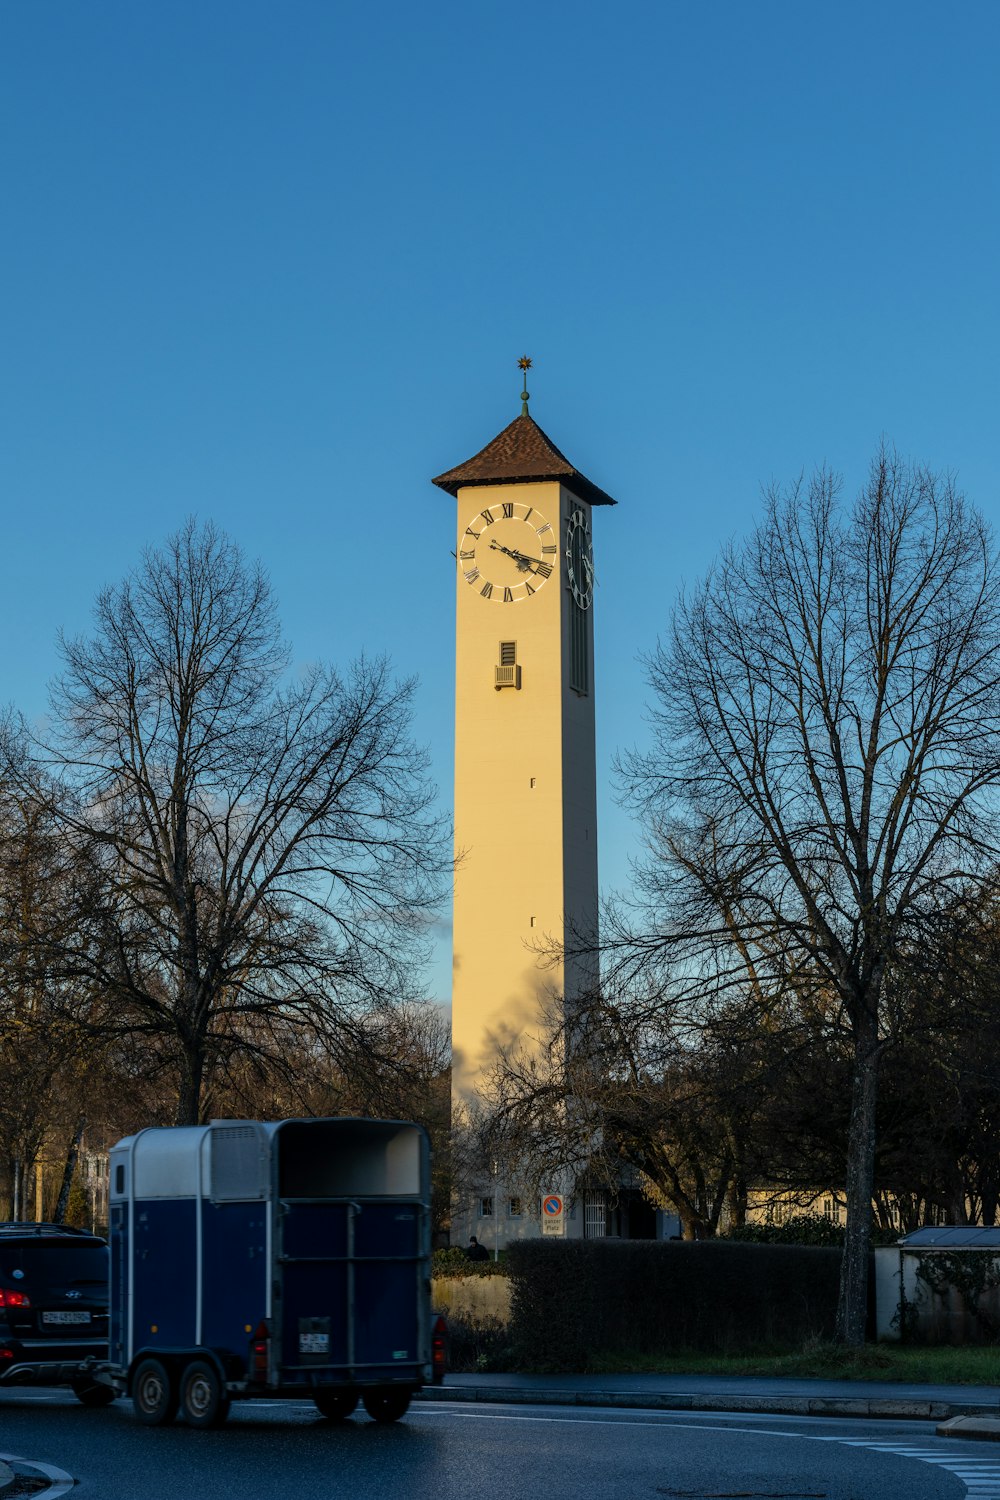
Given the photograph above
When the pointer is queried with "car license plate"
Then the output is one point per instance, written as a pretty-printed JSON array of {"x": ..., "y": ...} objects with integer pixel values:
[
  {"x": 314, "y": 1343},
  {"x": 66, "y": 1317}
]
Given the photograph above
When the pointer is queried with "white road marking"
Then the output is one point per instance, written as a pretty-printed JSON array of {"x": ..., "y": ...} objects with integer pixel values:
[
  {"x": 61, "y": 1482},
  {"x": 981, "y": 1477}
]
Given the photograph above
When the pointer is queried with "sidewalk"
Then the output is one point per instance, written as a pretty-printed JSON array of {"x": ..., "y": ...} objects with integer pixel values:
[{"x": 794, "y": 1397}]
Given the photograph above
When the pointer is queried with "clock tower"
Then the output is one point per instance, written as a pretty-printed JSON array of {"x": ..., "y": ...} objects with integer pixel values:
[{"x": 525, "y": 770}]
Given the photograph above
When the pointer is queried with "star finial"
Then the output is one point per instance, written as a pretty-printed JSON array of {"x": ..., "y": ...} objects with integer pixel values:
[{"x": 524, "y": 364}]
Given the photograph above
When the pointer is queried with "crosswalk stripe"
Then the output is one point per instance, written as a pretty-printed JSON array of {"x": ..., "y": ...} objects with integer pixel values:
[{"x": 981, "y": 1476}]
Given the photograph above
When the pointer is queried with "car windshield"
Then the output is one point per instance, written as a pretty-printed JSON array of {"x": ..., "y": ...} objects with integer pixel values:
[{"x": 53, "y": 1265}]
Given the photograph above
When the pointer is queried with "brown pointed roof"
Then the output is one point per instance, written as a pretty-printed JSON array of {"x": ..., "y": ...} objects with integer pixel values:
[{"x": 521, "y": 454}]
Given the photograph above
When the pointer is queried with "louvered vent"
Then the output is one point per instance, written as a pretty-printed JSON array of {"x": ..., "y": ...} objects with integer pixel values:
[
  {"x": 238, "y": 1163},
  {"x": 508, "y": 673}
]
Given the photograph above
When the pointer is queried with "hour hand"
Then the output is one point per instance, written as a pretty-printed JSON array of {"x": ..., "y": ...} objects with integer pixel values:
[
  {"x": 499, "y": 547},
  {"x": 524, "y": 563}
]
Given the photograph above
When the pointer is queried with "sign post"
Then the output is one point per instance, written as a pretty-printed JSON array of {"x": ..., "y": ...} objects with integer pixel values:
[{"x": 553, "y": 1214}]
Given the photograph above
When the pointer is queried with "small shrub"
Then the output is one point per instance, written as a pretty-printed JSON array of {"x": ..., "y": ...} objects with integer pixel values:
[
  {"x": 77, "y": 1208},
  {"x": 478, "y": 1345}
]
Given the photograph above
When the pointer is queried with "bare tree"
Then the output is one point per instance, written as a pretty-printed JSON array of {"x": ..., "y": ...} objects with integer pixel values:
[
  {"x": 825, "y": 753},
  {"x": 44, "y": 1062},
  {"x": 261, "y": 848},
  {"x": 628, "y": 1091}
]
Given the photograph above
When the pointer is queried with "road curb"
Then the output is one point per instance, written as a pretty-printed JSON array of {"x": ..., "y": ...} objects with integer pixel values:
[
  {"x": 985, "y": 1429},
  {"x": 793, "y": 1406}
]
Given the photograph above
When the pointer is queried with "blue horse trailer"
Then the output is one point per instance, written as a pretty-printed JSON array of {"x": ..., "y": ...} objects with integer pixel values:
[{"x": 287, "y": 1259}]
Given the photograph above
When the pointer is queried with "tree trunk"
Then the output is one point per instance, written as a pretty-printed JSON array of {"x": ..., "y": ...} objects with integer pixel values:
[
  {"x": 739, "y": 1200},
  {"x": 852, "y": 1301},
  {"x": 72, "y": 1156},
  {"x": 189, "y": 1093}
]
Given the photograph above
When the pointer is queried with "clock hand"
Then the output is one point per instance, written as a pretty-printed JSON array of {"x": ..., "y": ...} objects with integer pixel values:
[
  {"x": 499, "y": 547},
  {"x": 523, "y": 561}
]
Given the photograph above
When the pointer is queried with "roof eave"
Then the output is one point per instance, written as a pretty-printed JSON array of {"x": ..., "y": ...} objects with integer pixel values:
[{"x": 582, "y": 487}]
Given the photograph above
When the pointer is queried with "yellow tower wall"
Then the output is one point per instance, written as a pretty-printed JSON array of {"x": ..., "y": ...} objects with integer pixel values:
[{"x": 525, "y": 803}]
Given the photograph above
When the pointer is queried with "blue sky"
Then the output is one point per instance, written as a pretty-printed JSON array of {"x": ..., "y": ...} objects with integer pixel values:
[{"x": 274, "y": 265}]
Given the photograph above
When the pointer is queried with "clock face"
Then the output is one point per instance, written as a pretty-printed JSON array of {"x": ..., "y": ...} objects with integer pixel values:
[
  {"x": 507, "y": 552},
  {"x": 579, "y": 560}
]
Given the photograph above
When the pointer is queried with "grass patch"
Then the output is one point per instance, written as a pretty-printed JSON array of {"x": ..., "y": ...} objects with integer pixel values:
[{"x": 941, "y": 1365}]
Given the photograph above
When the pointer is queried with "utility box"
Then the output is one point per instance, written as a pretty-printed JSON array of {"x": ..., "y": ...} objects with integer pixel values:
[{"x": 286, "y": 1259}]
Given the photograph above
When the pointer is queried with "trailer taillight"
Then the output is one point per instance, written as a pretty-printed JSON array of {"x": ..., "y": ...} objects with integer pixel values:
[
  {"x": 258, "y": 1352},
  {"x": 439, "y": 1347}
]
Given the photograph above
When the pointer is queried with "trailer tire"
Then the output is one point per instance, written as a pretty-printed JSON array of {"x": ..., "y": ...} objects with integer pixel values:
[
  {"x": 386, "y": 1403},
  {"x": 92, "y": 1393},
  {"x": 154, "y": 1394},
  {"x": 204, "y": 1398},
  {"x": 335, "y": 1404}
]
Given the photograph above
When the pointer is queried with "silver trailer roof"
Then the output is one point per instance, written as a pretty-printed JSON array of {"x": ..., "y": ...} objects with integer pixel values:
[{"x": 240, "y": 1160}]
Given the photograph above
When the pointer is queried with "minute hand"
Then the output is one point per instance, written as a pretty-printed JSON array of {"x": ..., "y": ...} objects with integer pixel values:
[{"x": 520, "y": 558}]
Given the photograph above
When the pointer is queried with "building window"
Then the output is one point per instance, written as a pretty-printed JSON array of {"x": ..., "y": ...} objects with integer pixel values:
[
  {"x": 486, "y": 1208},
  {"x": 514, "y": 1208},
  {"x": 595, "y": 1216}
]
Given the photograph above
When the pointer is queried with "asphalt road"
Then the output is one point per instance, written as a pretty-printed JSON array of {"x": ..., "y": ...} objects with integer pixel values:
[{"x": 467, "y": 1452}]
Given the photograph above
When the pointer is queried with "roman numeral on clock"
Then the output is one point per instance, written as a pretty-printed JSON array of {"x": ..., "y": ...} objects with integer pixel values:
[
  {"x": 508, "y": 510},
  {"x": 487, "y": 590},
  {"x": 508, "y": 596}
]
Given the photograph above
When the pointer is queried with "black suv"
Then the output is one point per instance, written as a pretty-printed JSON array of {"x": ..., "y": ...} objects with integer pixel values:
[{"x": 53, "y": 1307}]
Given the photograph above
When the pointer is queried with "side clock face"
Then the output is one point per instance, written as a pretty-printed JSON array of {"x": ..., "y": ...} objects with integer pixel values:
[
  {"x": 579, "y": 560},
  {"x": 507, "y": 552}
]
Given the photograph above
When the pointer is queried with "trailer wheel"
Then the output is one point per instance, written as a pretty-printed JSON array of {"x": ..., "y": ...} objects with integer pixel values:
[
  {"x": 386, "y": 1403},
  {"x": 154, "y": 1396},
  {"x": 334, "y": 1403},
  {"x": 204, "y": 1398},
  {"x": 92, "y": 1393}
]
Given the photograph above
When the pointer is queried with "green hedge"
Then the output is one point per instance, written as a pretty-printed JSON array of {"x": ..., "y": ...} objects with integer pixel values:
[
  {"x": 804, "y": 1229},
  {"x": 574, "y": 1297},
  {"x": 455, "y": 1262}
]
